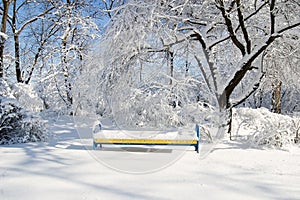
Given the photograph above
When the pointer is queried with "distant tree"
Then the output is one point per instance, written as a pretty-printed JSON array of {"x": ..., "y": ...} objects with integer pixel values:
[
  {"x": 18, "y": 24},
  {"x": 282, "y": 73},
  {"x": 62, "y": 40}
]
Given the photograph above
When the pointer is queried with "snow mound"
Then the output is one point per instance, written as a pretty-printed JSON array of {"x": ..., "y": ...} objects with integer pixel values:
[{"x": 263, "y": 128}]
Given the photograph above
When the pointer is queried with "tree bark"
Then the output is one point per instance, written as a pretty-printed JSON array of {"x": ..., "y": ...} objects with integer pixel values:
[
  {"x": 229, "y": 131},
  {"x": 16, "y": 43},
  {"x": 276, "y": 96},
  {"x": 68, "y": 85},
  {"x": 171, "y": 65},
  {"x": 2, "y": 38},
  {"x": 17, "y": 59}
]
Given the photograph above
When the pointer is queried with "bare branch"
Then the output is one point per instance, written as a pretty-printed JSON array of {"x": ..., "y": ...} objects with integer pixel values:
[
  {"x": 199, "y": 37},
  {"x": 206, "y": 54},
  {"x": 257, "y": 10},
  {"x": 252, "y": 14},
  {"x": 272, "y": 16},
  {"x": 201, "y": 23},
  {"x": 246, "y": 65},
  {"x": 108, "y": 7},
  {"x": 228, "y": 23},
  {"x": 32, "y": 20},
  {"x": 218, "y": 42},
  {"x": 204, "y": 74},
  {"x": 243, "y": 27},
  {"x": 255, "y": 87},
  {"x": 289, "y": 27},
  {"x": 238, "y": 27}
]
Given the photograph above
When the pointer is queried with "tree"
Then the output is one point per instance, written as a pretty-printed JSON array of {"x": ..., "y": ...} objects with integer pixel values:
[
  {"x": 226, "y": 39},
  {"x": 282, "y": 71},
  {"x": 17, "y": 31},
  {"x": 63, "y": 40}
]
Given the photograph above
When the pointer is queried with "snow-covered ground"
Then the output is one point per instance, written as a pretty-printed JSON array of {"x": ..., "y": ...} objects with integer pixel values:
[{"x": 67, "y": 168}]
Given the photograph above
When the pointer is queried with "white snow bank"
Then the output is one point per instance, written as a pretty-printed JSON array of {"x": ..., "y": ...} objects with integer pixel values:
[{"x": 264, "y": 128}]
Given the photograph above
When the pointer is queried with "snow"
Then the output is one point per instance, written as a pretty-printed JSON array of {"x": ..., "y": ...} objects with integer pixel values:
[
  {"x": 67, "y": 168},
  {"x": 262, "y": 128},
  {"x": 116, "y": 133},
  {"x": 3, "y": 35}
]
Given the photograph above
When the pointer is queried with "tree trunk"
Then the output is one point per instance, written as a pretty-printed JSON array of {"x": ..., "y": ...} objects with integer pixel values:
[
  {"x": 16, "y": 43},
  {"x": 17, "y": 59},
  {"x": 2, "y": 38},
  {"x": 33, "y": 65},
  {"x": 68, "y": 85},
  {"x": 276, "y": 96},
  {"x": 171, "y": 64},
  {"x": 187, "y": 68},
  {"x": 296, "y": 139},
  {"x": 141, "y": 71},
  {"x": 230, "y": 124}
]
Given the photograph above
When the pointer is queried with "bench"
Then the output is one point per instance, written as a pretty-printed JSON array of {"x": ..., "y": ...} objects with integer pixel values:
[{"x": 146, "y": 141}]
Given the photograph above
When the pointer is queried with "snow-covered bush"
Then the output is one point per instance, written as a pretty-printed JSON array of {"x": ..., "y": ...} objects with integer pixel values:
[
  {"x": 144, "y": 108},
  {"x": 5, "y": 89},
  {"x": 262, "y": 128},
  {"x": 18, "y": 125},
  {"x": 26, "y": 95}
]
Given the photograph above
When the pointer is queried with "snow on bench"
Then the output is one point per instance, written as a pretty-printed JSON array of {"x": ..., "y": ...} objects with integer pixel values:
[{"x": 141, "y": 137}]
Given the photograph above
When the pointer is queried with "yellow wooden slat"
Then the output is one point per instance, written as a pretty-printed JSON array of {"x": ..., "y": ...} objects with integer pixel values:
[{"x": 142, "y": 141}]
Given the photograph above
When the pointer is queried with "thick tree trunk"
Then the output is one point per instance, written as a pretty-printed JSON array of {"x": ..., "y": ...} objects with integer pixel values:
[
  {"x": 2, "y": 38},
  {"x": 68, "y": 85},
  {"x": 276, "y": 96},
  {"x": 16, "y": 43},
  {"x": 17, "y": 59}
]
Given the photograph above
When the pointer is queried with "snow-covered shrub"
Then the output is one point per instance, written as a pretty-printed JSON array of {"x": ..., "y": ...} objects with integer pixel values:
[
  {"x": 17, "y": 125},
  {"x": 158, "y": 105},
  {"x": 26, "y": 95},
  {"x": 263, "y": 128},
  {"x": 144, "y": 107},
  {"x": 5, "y": 89}
]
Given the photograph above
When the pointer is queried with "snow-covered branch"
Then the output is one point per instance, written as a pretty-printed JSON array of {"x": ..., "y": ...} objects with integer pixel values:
[
  {"x": 32, "y": 20},
  {"x": 282, "y": 30},
  {"x": 229, "y": 26},
  {"x": 246, "y": 64},
  {"x": 243, "y": 26},
  {"x": 249, "y": 92}
]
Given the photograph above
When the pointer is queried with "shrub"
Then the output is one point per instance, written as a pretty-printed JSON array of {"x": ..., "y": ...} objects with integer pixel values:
[
  {"x": 17, "y": 125},
  {"x": 263, "y": 128}
]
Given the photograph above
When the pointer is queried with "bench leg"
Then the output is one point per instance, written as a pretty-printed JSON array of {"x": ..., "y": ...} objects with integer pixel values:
[
  {"x": 197, "y": 147},
  {"x": 94, "y": 145}
]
